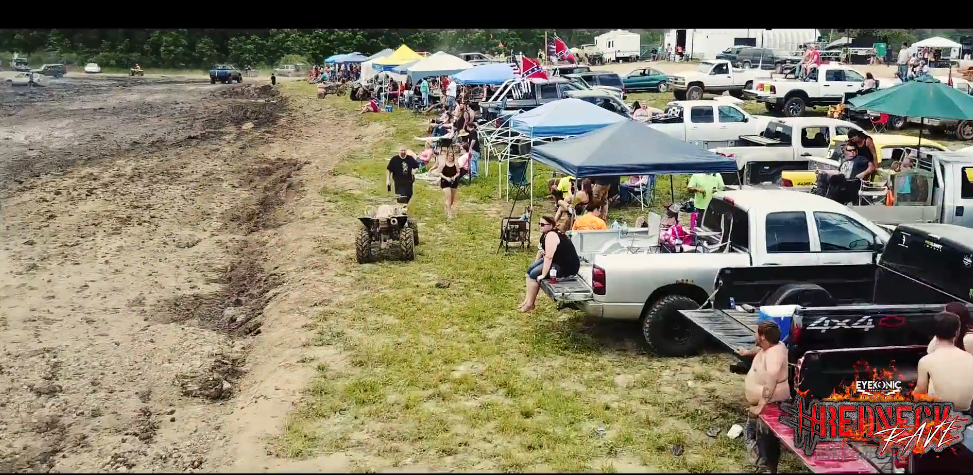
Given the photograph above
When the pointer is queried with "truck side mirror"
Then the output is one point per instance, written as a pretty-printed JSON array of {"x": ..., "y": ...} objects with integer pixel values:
[{"x": 878, "y": 246}]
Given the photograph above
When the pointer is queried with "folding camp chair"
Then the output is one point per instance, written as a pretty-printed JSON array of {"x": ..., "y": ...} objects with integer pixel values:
[
  {"x": 517, "y": 230},
  {"x": 517, "y": 177}
]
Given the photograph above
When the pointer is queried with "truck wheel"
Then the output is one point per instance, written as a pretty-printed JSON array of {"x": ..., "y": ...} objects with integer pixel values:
[
  {"x": 679, "y": 95},
  {"x": 666, "y": 332},
  {"x": 407, "y": 245},
  {"x": 964, "y": 130},
  {"x": 794, "y": 107},
  {"x": 212, "y": 80},
  {"x": 663, "y": 86},
  {"x": 745, "y": 65},
  {"x": 694, "y": 93},
  {"x": 363, "y": 247},
  {"x": 415, "y": 232},
  {"x": 897, "y": 122}
]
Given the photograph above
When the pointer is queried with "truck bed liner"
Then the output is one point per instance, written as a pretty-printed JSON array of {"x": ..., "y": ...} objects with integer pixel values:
[{"x": 734, "y": 329}]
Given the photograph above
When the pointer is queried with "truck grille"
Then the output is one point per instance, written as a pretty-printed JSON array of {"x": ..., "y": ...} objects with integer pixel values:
[{"x": 677, "y": 81}]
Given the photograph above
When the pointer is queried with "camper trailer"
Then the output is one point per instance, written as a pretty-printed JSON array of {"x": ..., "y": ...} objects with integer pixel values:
[
  {"x": 706, "y": 44},
  {"x": 619, "y": 45}
]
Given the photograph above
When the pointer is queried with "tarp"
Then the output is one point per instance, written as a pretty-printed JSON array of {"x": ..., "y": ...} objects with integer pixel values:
[
  {"x": 485, "y": 74},
  {"x": 401, "y": 56},
  {"x": 922, "y": 97},
  {"x": 629, "y": 148},
  {"x": 403, "y": 69},
  {"x": 439, "y": 64},
  {"x": 351, "y": 58},
  {"x": 563, "y": 118},
  {"x": 937, "y": 42},
  {"x": 367, "y": 70}
]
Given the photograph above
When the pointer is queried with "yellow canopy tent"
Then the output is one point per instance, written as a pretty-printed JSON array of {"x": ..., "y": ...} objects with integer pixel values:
[{"x": 401, "y": 56}]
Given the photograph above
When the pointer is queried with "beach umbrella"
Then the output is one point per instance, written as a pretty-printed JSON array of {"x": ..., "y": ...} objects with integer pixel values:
[{"x": 924, "y": 97}]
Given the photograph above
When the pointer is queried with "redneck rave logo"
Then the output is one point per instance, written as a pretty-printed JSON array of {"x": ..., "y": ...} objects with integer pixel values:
[{"x": 878, "y": 412}]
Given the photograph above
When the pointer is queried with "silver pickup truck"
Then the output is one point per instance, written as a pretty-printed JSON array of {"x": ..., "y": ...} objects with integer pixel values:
[{"x": 635, "y": 279}]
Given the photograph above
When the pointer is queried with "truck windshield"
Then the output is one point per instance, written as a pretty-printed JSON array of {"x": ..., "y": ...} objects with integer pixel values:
[
  {"x": 778, "y": 131},
  {"x": 704, "y": 67},
  {"x": 731, "y": 222}
]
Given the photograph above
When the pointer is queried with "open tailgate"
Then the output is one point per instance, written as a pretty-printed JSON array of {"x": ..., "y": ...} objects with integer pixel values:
[
  {"x": 570, "y": 290},
  {"x": 734, "y": 329}
]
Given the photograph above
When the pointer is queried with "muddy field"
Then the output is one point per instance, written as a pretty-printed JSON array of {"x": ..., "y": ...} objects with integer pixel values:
[{"x": 148, "y": 286}]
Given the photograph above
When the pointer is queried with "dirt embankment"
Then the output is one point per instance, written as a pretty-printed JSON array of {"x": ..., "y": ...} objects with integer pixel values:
[{"x": 141, "y": 255}]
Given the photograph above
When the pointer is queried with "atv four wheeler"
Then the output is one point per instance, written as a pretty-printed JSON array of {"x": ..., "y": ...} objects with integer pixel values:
[
  {"x": 386, "y": 227},
  {"x": 136, "y": 71}
]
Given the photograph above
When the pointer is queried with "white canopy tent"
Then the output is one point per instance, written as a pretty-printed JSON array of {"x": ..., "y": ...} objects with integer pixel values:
[
  {"x": 367, "y": 71},
  {"x": 937, "y": 42},
  {"x": 439, "y": 64}
]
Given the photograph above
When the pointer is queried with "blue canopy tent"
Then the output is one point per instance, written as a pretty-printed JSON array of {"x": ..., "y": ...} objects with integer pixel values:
[
  {"x": 353, "y": 58},
  {"x": 485, "y": 75},
  {"x": 630, "y": 148},
  {"x": 338, "y": 57},
  {"x": 558, "y": 120}
]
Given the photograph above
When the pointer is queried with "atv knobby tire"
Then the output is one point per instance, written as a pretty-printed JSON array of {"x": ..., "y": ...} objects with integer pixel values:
[
  {"x": 415, "y": 233},
  {"x": 363, "y": 247},
  {"x": 407, "y": 245},
  {"x": 666, "y": 332}
]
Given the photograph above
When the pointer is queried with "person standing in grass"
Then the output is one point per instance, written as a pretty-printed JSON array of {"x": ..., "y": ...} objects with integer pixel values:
[
  {"x": 556, "y": 253},
  {"x": 424, "y": 92},
  {"x": 449, "y": 173}
]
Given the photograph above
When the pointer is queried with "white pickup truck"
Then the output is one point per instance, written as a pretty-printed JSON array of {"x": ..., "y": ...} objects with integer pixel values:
[
  {"x": 714, "y": 77},
  {"x": 741, "y": 228},
  {"x": 824, "y": 86},
  {"x": 707, "y": 123},
  {"x": 784, "y": 144}
]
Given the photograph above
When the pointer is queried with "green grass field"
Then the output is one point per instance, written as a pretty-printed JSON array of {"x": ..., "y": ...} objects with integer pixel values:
[{"x": 456, "y": 378}]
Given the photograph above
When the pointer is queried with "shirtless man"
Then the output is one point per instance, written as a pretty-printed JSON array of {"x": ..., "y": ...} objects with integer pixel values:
[
  {"x": 766, "y": 383},
  {"x": 947, "y": 373}
]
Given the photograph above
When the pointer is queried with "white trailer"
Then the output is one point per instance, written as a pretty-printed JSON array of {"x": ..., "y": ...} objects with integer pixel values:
[
  {"x": 706, "y": 43},
  {"x": 620, "y": 45}
]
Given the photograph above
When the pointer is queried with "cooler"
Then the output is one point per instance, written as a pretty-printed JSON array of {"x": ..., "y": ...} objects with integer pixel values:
[{"x": 779, "y": 314}]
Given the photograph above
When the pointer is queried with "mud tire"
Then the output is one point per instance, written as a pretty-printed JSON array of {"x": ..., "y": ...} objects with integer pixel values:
[
  {"x": 363, "y": 247},
  {"x": 694, "y": 93},
  {"x": 964, "y": 130},
  {"x": 407, "y": 246},
  {"x": 659, "y": 320},
  {"x": 415, "y": 232}
]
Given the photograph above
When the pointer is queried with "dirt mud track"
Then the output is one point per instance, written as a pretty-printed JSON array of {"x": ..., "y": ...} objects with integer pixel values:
[{"x": 155, "y": 271}]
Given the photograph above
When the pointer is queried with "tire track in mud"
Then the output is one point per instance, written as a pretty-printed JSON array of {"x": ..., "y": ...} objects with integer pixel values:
[{"x": 97, "y": 254}]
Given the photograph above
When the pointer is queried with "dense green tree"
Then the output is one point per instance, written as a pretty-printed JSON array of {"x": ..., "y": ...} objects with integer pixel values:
[{"x": 200, "y": 48}]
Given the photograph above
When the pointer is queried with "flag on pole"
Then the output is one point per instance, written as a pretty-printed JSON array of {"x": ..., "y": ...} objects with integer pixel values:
[
  {"x": 562, "y": 52},
  {"x": 531, "y": 68}
]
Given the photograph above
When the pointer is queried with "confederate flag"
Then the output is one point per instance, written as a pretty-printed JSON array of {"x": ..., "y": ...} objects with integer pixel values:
[
  {"x": 561, "y": 51},
  {"x": 530, "y": 68}
]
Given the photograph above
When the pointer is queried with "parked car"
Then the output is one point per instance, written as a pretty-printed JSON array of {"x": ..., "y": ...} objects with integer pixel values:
[
  {"x": 765, "y": 58},
  {"x": 714, "y": 77},
  {"x": 603, "y": 99},
  {"x": 53, "y": 70},
  {"x": 730, "y": 54},
  {"x": 92, "y": 68},
  {"x": 554, "y": 71},
  {"x": 741, "y": 228},
  {"x": 785, "y": 144},
  {"x": 605, "y": 80},
  {"x": 825, "y": 85},
  {"x": 707, "y": 123},
  {"x": 646, "y": 79},
  {"x": 291, "y": 70}
]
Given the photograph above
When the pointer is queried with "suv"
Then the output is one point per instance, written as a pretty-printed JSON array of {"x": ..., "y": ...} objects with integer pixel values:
[
  {"x": 601, "y": 80},
  {"x": 765, "y": 58},
  {"x": 291, "y": 70},
  {"x": 53, "y": 70},
  {"x": 730, "y": 54}
]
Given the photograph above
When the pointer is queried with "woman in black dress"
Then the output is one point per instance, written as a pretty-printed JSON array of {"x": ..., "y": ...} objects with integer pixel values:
[
  {"x": 448, "y": 181},
  {"x": 556, "y": 253}
]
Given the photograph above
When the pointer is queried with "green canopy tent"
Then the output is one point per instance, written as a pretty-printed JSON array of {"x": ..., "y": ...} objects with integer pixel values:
[{"x": 925, "y": 97}]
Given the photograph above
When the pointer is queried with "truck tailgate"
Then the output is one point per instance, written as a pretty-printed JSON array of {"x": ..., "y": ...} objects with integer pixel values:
[
  {"x": 571, "y": 290},
  {"x": 734, "y": 329}
]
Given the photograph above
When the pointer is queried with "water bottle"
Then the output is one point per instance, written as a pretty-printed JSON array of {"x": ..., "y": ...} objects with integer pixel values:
[
  {"x": 733, "y": 303},
  {"x": 553, "y": 275}
]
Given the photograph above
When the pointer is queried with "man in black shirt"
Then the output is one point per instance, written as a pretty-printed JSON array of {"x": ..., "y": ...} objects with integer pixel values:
[
  {"x": 473, "y": 138},
  {"x": 401, "y": 172}
]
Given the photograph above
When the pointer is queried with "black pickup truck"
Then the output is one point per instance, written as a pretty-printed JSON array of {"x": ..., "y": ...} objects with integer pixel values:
[{"x": 921, "y": 268}]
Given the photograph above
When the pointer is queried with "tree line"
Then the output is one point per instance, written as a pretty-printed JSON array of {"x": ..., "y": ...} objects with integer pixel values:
[{"x": 201, "y": 48}]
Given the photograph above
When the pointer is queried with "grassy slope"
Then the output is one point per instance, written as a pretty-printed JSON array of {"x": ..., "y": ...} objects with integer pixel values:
[{"x": 455, "y": 378}]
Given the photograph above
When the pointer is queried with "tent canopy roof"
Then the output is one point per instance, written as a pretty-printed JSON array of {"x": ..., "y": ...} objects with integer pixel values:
[
  {"x": 439, "y": 64},
  {"x": 937, "y": 42},
  {"x": 563, "y": 118},
  {"x": 629, "y": 148},
  {"x": 923, "y": 97},
  {"x": 401, "y": 56},
  {"x": 490, "y": 74},
  {"x": 381, "y": 54},
  {"x": 352, "y": 58}
]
